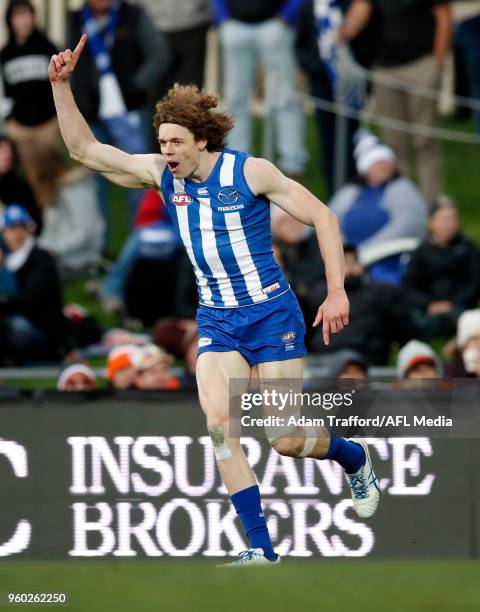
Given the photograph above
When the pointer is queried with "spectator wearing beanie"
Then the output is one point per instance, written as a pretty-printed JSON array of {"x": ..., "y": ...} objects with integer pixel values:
[
  {"x": 418, "y": 360},
  {"x": 77, "y": 377},
  {"x": 146, "y": 368},
  {"x": 384, "y": 214},
  {"x": 466, "y": 362}
]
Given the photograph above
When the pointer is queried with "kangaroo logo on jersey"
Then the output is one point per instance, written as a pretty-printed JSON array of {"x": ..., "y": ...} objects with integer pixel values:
[
  {"x": 180, "y": 199},
  {"x": 228, "y": 195}
]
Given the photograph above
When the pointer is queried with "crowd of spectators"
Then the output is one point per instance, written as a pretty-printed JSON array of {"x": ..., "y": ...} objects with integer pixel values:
[{"x": 412, "y": 277}]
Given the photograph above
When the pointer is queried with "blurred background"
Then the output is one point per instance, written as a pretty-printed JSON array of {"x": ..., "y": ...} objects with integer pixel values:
[{"x": 373, "y": 105}]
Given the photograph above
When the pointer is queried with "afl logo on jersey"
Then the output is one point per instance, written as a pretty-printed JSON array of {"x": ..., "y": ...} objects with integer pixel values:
[
  {"x": 228, "y": 195},
  {"x": 180, "y": 199}
]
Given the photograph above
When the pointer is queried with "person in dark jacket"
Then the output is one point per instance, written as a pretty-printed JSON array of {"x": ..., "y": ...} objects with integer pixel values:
[
  {"x": 14, "y": 188},
  {"x": 379, "y": 315},
  {"x": 31, "y": 120},
  {"x": 125, "y": 58},
  {"x": 31, "y": 319},
  {"x": 443, "y": 273}
]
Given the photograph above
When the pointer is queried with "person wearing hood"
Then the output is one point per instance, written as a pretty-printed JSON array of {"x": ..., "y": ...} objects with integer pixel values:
[
  {"x": 418, "y": 360},
  {"x": 31, "y": 120},
  {"x": 383, "y": 213}
]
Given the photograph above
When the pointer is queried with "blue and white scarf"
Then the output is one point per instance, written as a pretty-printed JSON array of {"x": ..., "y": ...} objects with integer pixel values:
[
  {"x": 101, "y": 38},
  {"x": 336, "y": 57}
]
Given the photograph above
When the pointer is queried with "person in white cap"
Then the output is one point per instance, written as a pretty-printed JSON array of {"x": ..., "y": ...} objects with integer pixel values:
[
  {"x": 77, "y": 377},
  {"x": 466, "y": 363},
  {"x": 383, "y": 214},
  {"x": 418, "y": 360}
]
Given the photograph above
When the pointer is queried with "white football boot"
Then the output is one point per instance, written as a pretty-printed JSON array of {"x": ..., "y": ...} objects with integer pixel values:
[
  {"x": 364, "y": 485},
  {"x": 251, "y": 558}
]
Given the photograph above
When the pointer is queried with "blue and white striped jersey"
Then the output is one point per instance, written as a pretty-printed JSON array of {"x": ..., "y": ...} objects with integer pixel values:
[{"x": 226, "y": 231}]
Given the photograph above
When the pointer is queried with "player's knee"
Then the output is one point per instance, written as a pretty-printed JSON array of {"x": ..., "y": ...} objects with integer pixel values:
[
  {"x": 289, "y": 447},
  {"x": 216, "y": 418}
]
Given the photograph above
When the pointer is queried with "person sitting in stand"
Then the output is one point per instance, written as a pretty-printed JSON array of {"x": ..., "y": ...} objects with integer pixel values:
[
  {"x": 466, "y": 359},
  {"x": 77, "y": 377},
  {"x": 348, "y": 364},
  {"x": 418, "y": 360},
  {"x": 73, "y": 226},
  {"x": 146, "y": 368},
  {"x": 383, "y": 215},
  {"x": 443, "y": 273},
  {"x": 380, "y": 315},
  {"x": 33, "y": 323},
  {"x": 14, "y": 188}
]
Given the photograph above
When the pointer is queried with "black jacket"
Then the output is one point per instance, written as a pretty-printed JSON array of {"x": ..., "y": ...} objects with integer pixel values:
[
  {"x": 379, "y": 317},
  {"x": 139, "y": 55},
  {"x": 450, "y": 273},
  {"x": 25, "y": 77},
  {"x": 38, "y": 296}
]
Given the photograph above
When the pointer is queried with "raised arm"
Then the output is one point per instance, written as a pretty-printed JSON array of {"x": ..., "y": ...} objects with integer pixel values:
[
  {"x": 116, "y": 165},
  {"x": 265, "y": 179}
]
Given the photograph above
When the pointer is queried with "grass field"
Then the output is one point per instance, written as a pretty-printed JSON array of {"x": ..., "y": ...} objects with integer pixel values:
[{"x": 189, "y": 586}]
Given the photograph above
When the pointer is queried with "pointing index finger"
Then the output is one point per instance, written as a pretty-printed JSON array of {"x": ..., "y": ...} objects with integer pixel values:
[
  {"x": 81, "y": 44},
  {"x": 326, "y": 331}
]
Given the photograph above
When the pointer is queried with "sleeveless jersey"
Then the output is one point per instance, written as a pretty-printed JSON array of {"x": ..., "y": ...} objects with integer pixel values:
[{"x": 226, "y": 232}]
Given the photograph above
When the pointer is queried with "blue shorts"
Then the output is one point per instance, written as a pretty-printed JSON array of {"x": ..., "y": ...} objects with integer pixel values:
[{"x": 269, "y": 331}]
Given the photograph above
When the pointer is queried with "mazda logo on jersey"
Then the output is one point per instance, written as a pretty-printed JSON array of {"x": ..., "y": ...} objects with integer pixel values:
[
  {"x": 180, "y": 199},
  {"x": 228, "y": 195}
]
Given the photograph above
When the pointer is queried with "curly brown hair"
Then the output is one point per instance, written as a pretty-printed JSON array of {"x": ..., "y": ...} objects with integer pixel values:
[{"x": 187, "y": 106}]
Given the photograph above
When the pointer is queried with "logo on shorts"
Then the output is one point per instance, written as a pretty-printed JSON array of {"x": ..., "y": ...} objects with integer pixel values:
[
  {"x": 180, "y": 199},
  {"x": 204, "y": 342},
  {"x": 289, "y": 337},
  {"x": 228, "y": 195}
]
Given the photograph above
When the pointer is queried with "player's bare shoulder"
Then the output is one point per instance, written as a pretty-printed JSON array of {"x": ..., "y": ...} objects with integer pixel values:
[
  {"x": 262, "y": 176},
  {"x": 154, "y": 166}
]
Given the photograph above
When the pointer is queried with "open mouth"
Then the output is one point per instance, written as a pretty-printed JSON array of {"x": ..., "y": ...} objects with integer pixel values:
[{"x": 173, "y": 165}]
